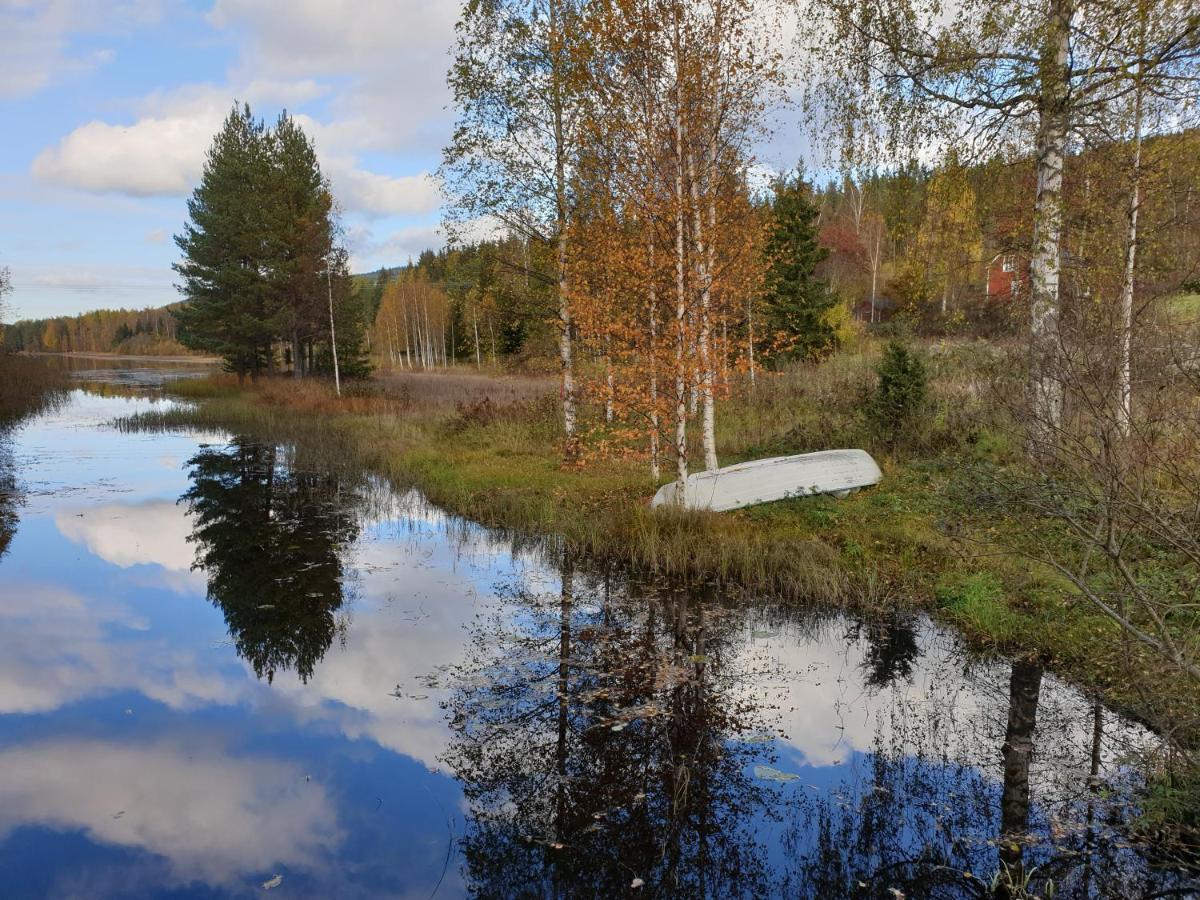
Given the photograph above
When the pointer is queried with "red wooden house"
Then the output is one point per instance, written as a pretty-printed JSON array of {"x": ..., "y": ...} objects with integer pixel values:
[{"x": 1007, "y": 276}]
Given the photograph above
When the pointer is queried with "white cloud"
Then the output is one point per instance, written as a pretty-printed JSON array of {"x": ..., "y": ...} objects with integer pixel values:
[
  {"x": 370, "y": 192},
  {"x": 213, "y": 817},
  {"x": 162, "y": 153},
  {"x": 395, "y": 55},
  {"x": 36, "y": 36},
  {"x": 152, "y": 157},
  {"x": 57, "y": 647}
]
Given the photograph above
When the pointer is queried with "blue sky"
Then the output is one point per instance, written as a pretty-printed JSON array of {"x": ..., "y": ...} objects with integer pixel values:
[{"x": 109, "y": 105}]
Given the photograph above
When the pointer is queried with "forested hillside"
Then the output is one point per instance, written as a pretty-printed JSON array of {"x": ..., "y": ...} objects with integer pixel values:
[{"x": 150, "y": 332}]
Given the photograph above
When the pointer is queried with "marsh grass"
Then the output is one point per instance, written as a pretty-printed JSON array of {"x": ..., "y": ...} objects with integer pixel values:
[{"x": 28, "y": 386}]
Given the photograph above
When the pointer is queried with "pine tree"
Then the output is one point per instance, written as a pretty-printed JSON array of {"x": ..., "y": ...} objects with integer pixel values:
[
  {"x": 299, "y": 208},
  {"x": 226, "y": 312},
  {"x": 796, "y": 302}
]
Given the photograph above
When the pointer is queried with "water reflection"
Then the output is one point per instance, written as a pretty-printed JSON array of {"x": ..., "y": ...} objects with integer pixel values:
[
  {"x": 892, "y": 649},
  {"x": 615, "y": 736},
  {"x": 8, "y": 493},
  {"x": 271, "y": 540},
  {"x": 596, "y": 740},
  {"x": 496, "y": 720}
]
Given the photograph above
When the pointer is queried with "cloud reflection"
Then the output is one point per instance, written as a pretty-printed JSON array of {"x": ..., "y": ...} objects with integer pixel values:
[{"x": 214, "y": 818}]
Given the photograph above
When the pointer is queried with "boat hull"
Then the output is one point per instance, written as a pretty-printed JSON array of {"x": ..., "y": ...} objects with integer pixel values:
[{"x": 837, "y": 472}]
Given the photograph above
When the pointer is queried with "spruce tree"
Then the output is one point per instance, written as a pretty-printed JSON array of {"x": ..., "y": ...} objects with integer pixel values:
[
  {"x": 224, "y": 255},
  {"x": 794, "y": 299}
]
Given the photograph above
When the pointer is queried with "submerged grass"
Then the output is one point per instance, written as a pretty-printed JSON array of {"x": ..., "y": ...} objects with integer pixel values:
[{"x": 488, "y": 449}]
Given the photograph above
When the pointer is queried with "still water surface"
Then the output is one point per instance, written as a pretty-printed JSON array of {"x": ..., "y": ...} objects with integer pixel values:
[{"x": 225, "y": 671}]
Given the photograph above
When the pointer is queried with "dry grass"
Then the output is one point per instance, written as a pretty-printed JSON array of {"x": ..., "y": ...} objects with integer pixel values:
[{"x": 446, "y": 391}]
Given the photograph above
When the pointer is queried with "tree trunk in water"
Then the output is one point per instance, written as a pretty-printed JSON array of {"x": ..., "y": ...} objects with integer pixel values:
[
  {"x": 1024, "y": 689},
  {"x": 1045, "y": 377},
  {"x": 566, "y": 603}
]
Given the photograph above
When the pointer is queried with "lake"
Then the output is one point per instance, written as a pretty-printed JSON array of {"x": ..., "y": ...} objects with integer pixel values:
[{"x": 227, "y": 670}]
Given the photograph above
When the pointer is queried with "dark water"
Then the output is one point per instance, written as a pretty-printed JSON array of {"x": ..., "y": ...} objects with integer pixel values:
[{"x": 226, "y": 671}]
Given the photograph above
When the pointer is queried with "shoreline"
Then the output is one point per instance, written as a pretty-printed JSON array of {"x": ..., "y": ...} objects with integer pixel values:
[
  {"x": 882, "y": 550},
  {"x": 118, "y": 357}
]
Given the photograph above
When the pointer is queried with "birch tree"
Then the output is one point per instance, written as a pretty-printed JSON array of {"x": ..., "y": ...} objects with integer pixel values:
[
  {"x": 910, "y": 76},
  {"x": 518, "y": 93}
]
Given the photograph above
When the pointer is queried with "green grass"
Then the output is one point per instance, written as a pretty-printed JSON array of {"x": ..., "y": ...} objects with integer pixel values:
[{"x": 920, "y": 539}]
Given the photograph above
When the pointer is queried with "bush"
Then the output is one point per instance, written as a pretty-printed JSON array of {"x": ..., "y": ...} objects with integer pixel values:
[{"x": 900, "y": 394}]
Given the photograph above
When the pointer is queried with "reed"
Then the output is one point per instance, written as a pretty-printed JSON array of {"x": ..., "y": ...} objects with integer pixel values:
[{"x": 28, "y": 386}]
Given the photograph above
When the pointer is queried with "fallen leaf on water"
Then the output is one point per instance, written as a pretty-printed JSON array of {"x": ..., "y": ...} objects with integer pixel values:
[
  {"x": 271, "y": 883},
  {"x": 769, "y": 774}
]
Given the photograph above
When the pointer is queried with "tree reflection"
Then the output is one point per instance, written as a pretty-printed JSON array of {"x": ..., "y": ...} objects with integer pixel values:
[
  {"x": 1025, "y": 687},
  {"x": 8, "y": 494},
  {"x": 595, "y": 739},
  {"x": 891, "y": 650},
  {"x": 271, "y": 540},
  {"x": 925, "y": 815}
]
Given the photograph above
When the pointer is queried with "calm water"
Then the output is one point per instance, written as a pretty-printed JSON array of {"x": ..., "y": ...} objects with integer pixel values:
[{"x": 225, "y": 671}]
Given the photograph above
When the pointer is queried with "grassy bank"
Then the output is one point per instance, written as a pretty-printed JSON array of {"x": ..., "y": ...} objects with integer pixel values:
[{"x": 926, "y": 538}]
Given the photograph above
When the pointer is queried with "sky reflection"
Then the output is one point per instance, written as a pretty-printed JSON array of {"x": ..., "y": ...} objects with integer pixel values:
[{"x": 217, "y": 668}]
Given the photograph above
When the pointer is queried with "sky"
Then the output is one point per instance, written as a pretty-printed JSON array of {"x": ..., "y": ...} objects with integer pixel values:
[{"x": 108, "y": 107}]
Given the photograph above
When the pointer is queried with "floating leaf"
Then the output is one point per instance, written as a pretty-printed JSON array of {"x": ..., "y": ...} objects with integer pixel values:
[
  {"x": 271, "y": 883},
  {"x": 769, "y": 774}
]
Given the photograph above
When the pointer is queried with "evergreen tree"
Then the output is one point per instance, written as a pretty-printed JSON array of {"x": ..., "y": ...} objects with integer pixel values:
[
  {"x": 795, "y": 300},
  {"x": 299, "y": 209},
  {"x": 227, "y": 306}
]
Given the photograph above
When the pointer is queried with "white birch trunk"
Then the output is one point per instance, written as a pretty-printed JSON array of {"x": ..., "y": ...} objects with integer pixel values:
[
  {"x": 1125, "y": 372},
  {"x": 703, "y": 339},
  {"x": 1045, "y": 377},
  {"x": 681, "y": 380}
]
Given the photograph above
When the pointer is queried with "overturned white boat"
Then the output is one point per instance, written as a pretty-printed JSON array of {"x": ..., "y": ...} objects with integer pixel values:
[{"x": 836, "y": 472}]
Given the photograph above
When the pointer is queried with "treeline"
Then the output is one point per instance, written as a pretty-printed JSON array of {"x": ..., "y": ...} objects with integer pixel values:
[
  {"x": 916, "y": 244},
  {"x": 479, "y": 304},
  {"x": 145, "y": 332},
  {"x": 264, "y": 277}
]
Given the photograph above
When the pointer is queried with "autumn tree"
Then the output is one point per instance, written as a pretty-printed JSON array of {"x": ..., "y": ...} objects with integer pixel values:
[
  {"x": 990, "y": 76},
  {"x": 949, "y": 240}
]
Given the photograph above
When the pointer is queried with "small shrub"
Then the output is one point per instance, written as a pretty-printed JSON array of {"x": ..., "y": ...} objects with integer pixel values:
[{"x": 900, "y": 394}]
